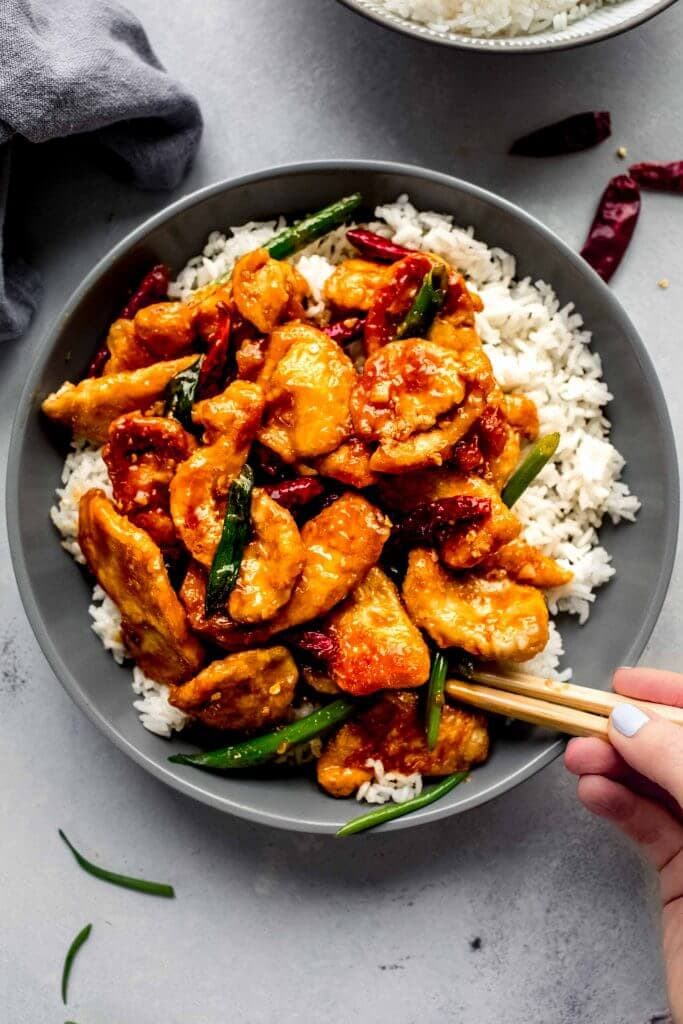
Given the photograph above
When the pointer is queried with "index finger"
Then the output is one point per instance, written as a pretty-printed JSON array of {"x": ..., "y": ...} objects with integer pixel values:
[{"x": 654, "y": 684}]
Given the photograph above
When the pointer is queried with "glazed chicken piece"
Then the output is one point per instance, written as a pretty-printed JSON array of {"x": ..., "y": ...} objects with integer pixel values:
[
  {"x": 307, "y": 399},
  {"x": 129, "y": 566},
  {"x": 430, "y": 447},
  {"x": 488, "y": 615},
  {"x": 354, "y": 284},
  {"x": 248, "y": 690},
  {"x": 271, "y": 563},
  {"x": 142, "y": 454},
  {"x": 377, "y": 645},
  {"x": 266, "y": 291},
  {"x": 522, "y": 414},
  {"x": 218, "y": 628},
  {"x": 527, "y": 564},
  {"x": 455, "y": 329},
  {"x": 404, "y": 388},
  {"x": 88, "y": 408},
  {"x": 468, "y": 545},
  {"x": 164, "y": 330},
  {"x": 200, "y": 486},
  {"x": 341, "y": 544},
  {"x": 125, "y": 353},
  {"x": 392, "y": 731},
  {"x": 349, "y": 463}
]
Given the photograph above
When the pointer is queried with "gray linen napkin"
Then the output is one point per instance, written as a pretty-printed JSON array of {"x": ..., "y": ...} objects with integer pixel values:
[{"x": 85, "y": 67}]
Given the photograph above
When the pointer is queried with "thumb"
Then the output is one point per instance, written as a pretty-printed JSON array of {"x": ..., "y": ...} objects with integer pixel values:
[{"x": 651, "y": 745}]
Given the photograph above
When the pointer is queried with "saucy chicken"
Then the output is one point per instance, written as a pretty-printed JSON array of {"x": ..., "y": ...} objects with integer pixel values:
[{"x": 309, "y": 503}]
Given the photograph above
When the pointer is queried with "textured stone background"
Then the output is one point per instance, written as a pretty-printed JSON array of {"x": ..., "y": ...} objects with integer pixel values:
[{"x": 275, "y": 927}]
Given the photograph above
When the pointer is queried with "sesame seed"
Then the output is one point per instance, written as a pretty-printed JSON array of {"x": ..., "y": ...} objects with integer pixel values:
[
  {"x": 663, "y": 282},
  {"x": 622, "y": 152}
]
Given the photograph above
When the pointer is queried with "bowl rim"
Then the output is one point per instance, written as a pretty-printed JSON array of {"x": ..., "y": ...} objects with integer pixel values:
[
  {"x": 505, "y": 44},
  {"x": 25, "y": 409}
]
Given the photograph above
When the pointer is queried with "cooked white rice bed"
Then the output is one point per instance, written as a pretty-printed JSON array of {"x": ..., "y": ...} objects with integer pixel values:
[
  {"x": 486, "y": 18},
  {"x": 536, "y": 348}
]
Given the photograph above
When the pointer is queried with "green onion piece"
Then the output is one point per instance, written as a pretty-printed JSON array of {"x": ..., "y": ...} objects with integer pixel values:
[
  {"x": 304, "y": 231},
  {"x": 437, "y": 678},
  {"x": 226, "y": 563},
  {"x": 390, "y": 811},
  {"x": 139, "y": 884},
  {"x": 541, "y": 453},
  {"x": 70, "y": 956},
  {"x": 426, "y": 304},
  {"x": 264, "y": 748},
  {"x": 180, "y": 394}
]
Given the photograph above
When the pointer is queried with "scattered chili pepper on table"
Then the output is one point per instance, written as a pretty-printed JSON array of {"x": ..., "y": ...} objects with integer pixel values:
[
  {"x": 613, "y": 225},
  {"x": 369, "y": 243},
  {"x": 571, "y": 135},
  {"x": 662, "y": 177}
]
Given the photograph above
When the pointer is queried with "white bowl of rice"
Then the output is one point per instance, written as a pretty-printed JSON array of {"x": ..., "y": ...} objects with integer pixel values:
[
  {"x": 608, "y": 507},
  {"x": 510, "y": 26}
]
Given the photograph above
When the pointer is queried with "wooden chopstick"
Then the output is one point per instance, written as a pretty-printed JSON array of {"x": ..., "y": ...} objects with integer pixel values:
[
  {"x": 584, "y": 698},
  {"x": 528, "y": 709}
]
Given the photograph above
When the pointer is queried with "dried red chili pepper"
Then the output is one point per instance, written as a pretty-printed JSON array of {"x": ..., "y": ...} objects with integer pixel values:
[
  {"x": 467, "y": 454},
  {"x": 393, "y": 300},
  {"x": 662, "y": 177},
  {"x": 613, "y": 225},
  {"x": 493, "y": 430},
  {"x": 344, "y": 331},
  {"x": 571, "y": 135},
  {"x": 152, "y": 288},
  {"x": 214, "y": 366},
  {"x": 376, "y": 246},
  {"x": 295, "y": 493},
  {"x": 430, "y": 522},
  {"x": 313, "y": 641},
  {"x": 268, "y": 463}
]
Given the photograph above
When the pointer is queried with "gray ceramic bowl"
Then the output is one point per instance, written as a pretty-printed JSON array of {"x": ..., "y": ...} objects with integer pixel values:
[
  {"x": 603, "y": 23},
  {"x": 56, "y": 593}
]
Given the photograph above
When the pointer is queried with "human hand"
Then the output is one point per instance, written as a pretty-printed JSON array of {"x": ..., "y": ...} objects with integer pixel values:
[{"x": 636, "y": 782}]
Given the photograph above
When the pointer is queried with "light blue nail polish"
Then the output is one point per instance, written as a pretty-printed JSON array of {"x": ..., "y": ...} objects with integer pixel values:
[{"x": 628, "y": 719}]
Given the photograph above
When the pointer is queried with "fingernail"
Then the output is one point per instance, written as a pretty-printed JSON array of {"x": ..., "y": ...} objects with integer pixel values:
[{"x": 628, "y": 719}]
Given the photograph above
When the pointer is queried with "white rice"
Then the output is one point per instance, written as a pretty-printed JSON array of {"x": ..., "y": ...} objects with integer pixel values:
[
  {"x": 485, "y": 18},
  {"x": 536, "y": 347},
  {"x": 386, "y": 786}
]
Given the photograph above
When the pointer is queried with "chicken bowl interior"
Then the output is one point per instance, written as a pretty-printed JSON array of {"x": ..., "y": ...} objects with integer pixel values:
[{"x": 322, "y": 466}]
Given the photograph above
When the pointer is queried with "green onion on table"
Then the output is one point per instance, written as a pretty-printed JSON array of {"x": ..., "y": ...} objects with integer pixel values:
[
  {"x": 226, "y": 563},
  {"x": 541, "y": 453},
  {"x": 306, "y": 230},
  {"x": 125, "y": 881},
  {"x": 390, "y": 811},
  {"x": 262, "y": 749},
  {"x": 82, "y": 937}
]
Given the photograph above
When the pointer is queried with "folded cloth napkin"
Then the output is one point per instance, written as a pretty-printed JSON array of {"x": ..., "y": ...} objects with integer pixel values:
[{"x": 85, "y": 67}]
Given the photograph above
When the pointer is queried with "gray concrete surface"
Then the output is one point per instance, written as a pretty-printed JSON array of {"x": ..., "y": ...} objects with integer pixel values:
[{"x": 275, "y": 927}]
